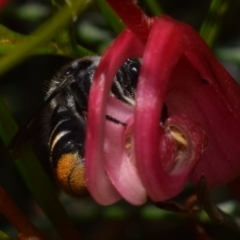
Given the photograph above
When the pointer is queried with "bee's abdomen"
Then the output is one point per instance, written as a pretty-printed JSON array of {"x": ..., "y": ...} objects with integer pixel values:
[{"x": 66, "y": 145}]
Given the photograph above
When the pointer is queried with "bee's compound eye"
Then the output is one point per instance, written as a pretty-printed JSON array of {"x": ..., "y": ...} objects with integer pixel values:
[
  {"x": 133, "y": 67},
  {"x": 70, "y": 174}
]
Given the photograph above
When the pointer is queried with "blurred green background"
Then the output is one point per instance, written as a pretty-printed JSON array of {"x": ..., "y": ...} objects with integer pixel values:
[{"x": 22, "y": 92}]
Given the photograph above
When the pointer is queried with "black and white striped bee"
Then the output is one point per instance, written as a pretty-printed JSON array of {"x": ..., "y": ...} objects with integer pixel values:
[{"x": 62, "y": 119}]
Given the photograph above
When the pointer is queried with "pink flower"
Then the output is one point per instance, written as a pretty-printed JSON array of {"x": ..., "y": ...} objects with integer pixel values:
[{"x": 151, "y": 156}]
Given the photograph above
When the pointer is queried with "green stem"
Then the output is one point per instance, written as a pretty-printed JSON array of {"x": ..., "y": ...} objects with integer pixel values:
[
  {"x": 9, "y": 40},
  {"x": 11, "y": 212},
  {"x": 43, "y": 34},
  {"x": 214, "y": 213}
]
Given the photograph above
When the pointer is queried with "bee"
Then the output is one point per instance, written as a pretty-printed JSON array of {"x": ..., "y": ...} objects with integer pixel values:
[{"x": 62, "y": 118}]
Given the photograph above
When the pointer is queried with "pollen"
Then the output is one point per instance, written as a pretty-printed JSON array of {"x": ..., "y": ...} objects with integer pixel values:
[
  {"x": 70, "y": 174},
  {"x": 178, "y": 137}
]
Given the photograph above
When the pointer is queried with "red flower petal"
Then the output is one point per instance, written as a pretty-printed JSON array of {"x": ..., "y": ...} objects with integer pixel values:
[
  {"x": 134, "y": 18},
  {"x": 3, "y": 3},
  {"x": 98, "y": 183},
  {"x": 213, "y": 107},
  {"x": 178, "y": 70},
  {"x": 120, "y": 163}
]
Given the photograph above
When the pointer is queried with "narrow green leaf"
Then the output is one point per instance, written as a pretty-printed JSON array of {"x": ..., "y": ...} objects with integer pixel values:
[
  {"x": 4, "y": 236},
  {"x": 214, "y": 21},
  {"x": 110, "y": 16},
  {"x": 155, "y": 7}
]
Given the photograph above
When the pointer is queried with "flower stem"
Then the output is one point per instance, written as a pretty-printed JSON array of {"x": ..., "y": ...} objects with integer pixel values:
[{"x": 10, "y": 211}]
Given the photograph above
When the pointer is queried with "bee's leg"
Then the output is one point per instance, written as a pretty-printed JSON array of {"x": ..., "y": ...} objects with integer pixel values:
[{"x": 66, "y": 145}]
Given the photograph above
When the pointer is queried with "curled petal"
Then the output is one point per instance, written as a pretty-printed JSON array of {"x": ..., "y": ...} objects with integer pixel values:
[
  {"x": 120, "y": 163},
  {"x": 188, "y": 78},
  {"x": 166, "y": 44},
  {"x": 117, "y": 109},
  {"x": 98, "y": 183},
  {"x": 207, "y": 104}
]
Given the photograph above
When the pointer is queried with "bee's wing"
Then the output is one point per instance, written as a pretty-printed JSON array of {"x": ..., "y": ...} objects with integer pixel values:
[{"x": 33, "y": 124}]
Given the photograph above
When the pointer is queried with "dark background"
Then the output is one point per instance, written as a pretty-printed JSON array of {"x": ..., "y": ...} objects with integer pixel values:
[{"x": 23, "y": 91}]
